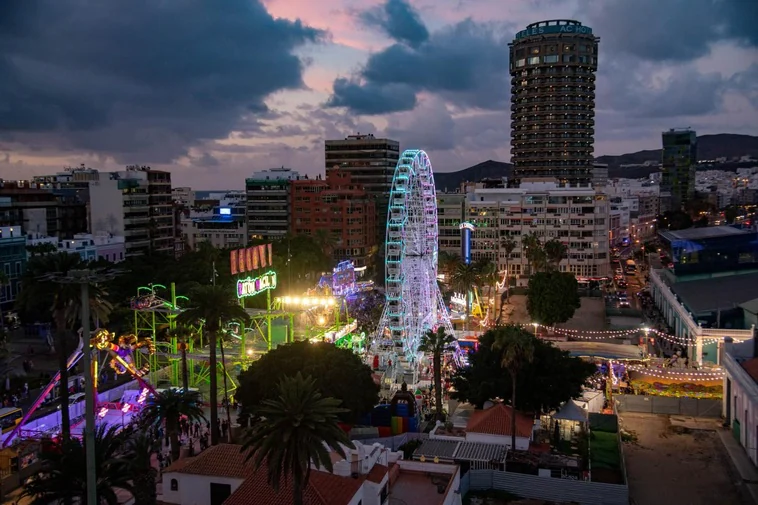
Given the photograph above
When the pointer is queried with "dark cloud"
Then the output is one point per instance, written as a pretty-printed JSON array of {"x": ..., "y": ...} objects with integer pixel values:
[
  {"x": 206, "y": 160},
  {"x": 398, "y": 20},
  {"x": 671, "y": 30},
  {"x": 467, "y": 63},
  {"x": 430, "y": 126},
  {"x": 141, "y": 80}
]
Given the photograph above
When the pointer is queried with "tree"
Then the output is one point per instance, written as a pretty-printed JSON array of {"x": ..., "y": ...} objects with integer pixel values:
[
  {"x": 447, "y": 264},
  {"x": 435, "y": 342},
  {"x": 63, "y": 476},
  {"x": 508, "y": 245},
  {"x": 534, "y": 252},
  {"x": 140, "y": 448},
  {"x": 516, "y": 348},
  {"x": 555, "y": 252},
  {"x": 464, "y": 279},
  {"x": 64, "y": 301},
  {"x": 295, "y": 430},
  {"x": 674, "y": 220},
  {"x": 552, "y": 297},
  {"x": 214, "y": 305},
  {"x": 486, "y": 274},
  {"x": 167, "y": 409},
  {"x": 41, "y": 249},
  {"x": 183, "y": 336},
  {"x": 552, "y": 377},
  {"x": 730, "y": 214},
  {"x": 338, "y": 373}
]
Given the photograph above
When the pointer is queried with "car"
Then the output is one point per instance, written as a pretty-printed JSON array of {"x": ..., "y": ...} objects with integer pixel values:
[
  {"x": 74, "y": 399},
  {"x": 623, "y": 303},
  {"x": 622, "y": 284}
]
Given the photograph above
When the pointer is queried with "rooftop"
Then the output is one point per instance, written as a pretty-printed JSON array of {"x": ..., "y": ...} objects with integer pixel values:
[
  {"x": 416, "y": 488},
  {"x": 702, "y": 233},
  {"x": 496, "y": 420},
  {"x": 751, "y": 367},
  {"x": 716, "y": 293}
]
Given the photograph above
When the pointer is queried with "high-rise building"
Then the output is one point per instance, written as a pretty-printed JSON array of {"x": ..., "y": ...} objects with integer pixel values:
[
  {"x": 679, "y": 161},
  {"x": 371, "y": 163},
  {"x": 12, "y": 263},
  {"x": 39, "y": 208},
  {"x": 552, "y": 67},
  {"x": 135, "y": 203},
  {"x": 339, "y": 208},
  {"x": 268, "y": 206}
]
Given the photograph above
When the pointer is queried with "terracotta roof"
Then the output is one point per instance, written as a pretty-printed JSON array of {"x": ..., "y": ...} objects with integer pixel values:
[
  {"x": 223, "y": 460},
  {"x": 751, "y": 367},
  {"x": 496, "y": 420},
  {"x": 376, "y": 475},
  {"x": 323, "y": 489}
]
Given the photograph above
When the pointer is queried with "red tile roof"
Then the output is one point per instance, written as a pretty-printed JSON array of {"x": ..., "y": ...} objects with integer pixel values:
[
  {"x": 226, "y": 460},
  {"x": 751, "y": 367},
  {"x": 496, "y": 420},
  {"x": 376, "y": 475}
]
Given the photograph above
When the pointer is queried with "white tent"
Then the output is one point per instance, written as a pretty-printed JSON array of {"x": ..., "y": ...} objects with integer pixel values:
[{"x": 571, "y": 412}]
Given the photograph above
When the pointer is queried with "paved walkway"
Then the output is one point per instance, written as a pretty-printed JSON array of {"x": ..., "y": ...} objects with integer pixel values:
[{"x": 745, "y": 468}]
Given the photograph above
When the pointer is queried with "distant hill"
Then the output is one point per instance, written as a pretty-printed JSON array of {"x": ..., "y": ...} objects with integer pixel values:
[{"x": 722, "y": 145}]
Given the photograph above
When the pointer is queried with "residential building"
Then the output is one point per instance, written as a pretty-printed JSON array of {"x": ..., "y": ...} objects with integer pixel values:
[
  {"x": 223, "y": 226},
  {"x": 341, "y": 210},
  {"x": 740, "y": 405},
  {"x": 268, "y": 209},
  {"x": 553, "y": 65},
  {"x": 371, "y": 161},
  {"x": 89, "y": 247},
  {"x": 712, "y": 273},
  {"x": 491, "y": 426},
  {"x": 58, "y": 212},
  {"x": 578, "y": 217},
  {"x": 599, "y": 175},
  {"x": 679, "y": 161},
  {"x": 136, "y": 204},
  {"x": 183, "y": 195},
  {"x": 368, "y": 475},
  {"x": 12, "y": 263},
  {"x": 451, "y": 209}
]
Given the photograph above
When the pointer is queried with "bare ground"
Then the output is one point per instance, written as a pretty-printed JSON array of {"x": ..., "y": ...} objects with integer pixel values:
[{"x": 674, "y": 465}]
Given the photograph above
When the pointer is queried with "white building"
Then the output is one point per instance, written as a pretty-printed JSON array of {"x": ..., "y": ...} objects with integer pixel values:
[
  {"x": 88, "y": 246},
  {"x": 491, "y": 426},
  {"x": 740, "y": 405},
  {"x": 224, "y": 226},
  {"x": 369, "y": 475},
  {"x": 183, "y": 195},
  {"x": 578, "y": 217}
]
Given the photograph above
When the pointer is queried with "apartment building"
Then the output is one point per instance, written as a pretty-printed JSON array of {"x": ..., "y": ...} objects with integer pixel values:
[
  {"x": 88, "y": 247},
  {"x": 137, "y": 204},
  {"x": 268, "y": 210},
  {"x": 451, "y": 209},
  {"x": 12, "y": 263},
  {"x": 340, "y": 208},
  {"x": 49, "y": 210},
  {"x": 223, "y": 226},
  {"x": 578, "y": 217}
]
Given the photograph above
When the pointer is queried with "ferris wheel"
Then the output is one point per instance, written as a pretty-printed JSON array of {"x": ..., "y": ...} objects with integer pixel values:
[{"x": 414, "y": 302}]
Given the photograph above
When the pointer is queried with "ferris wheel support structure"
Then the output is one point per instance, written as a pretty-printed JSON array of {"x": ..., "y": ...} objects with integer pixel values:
[{"x": 414, "y": 302}]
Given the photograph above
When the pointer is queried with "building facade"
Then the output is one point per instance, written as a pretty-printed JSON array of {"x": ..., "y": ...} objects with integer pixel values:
[
  {"x": 552, "y": 66},
  {"x": 679, "y": 161},
  {"x": 339, "y": 208},
  {"x": 223, "y": 226},
  {"x": 451, "y": 210},
  {"x": 371, "y": 162},
  {"x": 136, "y": 204},
  {"x": 578, "y": 217},
  {"x": 268, "y": 206},
  {"x": 49, "y": 210},
  {"x": 12, "y": 263},
  {"x": 88, "y": 247}
]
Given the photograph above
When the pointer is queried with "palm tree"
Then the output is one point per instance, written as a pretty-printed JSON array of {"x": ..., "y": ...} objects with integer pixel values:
[
  {"x": 517, "y": 348},
  {"x": 294, "y": 432},
  {"x": 139, "y": 466},
  {"x": 63, "y": 476},
  {"x": 447, "y": 263},
  {"x": 533, "y": 251},
  {"x": 464, "y": 279},
  {"x": 555, "y": 252},
  {"x": 65, "y": 304},
  {"x": 486, "y": 272},
  {"x": 436, "y": 342},
  {"x": 167, "y": 408},
  {"x": 508, "y": 245},
  {"x": 214, "y": 305},
  {"x": 183, "y": 336}
]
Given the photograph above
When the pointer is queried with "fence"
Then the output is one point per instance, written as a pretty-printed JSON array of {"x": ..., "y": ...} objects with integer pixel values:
[
  {"x": 393, "y": 443},
  {"x": 548, "y": 488},
  {"x": 650, "y": 404}
]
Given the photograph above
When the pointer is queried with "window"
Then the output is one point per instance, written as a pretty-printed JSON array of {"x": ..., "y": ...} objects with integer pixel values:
[
  {"x": 521, "y": 62},
  {"x": 569, "y": 58},
  {"x": 174, "y": 485},
  {"x": 550, "y": 58},
  {"x": 533, "y": 60}
]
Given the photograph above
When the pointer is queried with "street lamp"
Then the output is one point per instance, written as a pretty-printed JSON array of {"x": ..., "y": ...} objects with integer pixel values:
[
  {"x": 535, "y": 328},
  {"x": 84, "y": 278}
]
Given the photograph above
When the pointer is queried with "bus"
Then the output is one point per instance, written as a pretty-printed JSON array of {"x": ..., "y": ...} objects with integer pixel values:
[
  {"x": 630, "y": 267},
  {"x": 10, "y": 417}
]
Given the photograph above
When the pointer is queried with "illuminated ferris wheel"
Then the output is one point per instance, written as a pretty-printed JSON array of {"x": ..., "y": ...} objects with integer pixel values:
[{"x": 414, "y": 302}]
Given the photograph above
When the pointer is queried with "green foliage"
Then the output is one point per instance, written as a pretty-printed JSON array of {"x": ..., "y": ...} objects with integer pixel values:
[
  {"x": 167, "y": 408},
  {"x": 553, "y": 297},
  {"x": 409, "y": 448},
  {"x": 534, "y": 252},
  {"x": 295, "y": 428},
  {"x": 41, "y": 249},
  {"x": 63, "y": 477},
  {"x": 543, "y": 385},
  {"x": 435, "y": 343},
  {"x": 338, "y": 373},
  {"x": 555, "y": 252},
  {"x": 138, "y": 455}
]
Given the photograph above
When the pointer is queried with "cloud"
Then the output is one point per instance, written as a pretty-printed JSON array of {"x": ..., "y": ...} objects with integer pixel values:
[
  {"x": 142, "y": 80},
  {"x": 671, "y": 30},
  {"x": 466, "y": 63},
  {"x": 399, "y": 21},
  {"x": 430, "y": 126}
]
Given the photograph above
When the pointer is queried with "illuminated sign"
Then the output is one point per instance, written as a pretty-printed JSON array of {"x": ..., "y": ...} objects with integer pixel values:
[
  {"x": 466, "y": 226},
  {"x": 458, "y": 299},
  {"x": 256, "y": 285},
  {"x": 125, "y": 408},
  {"x": 142, "y": 396},
  {"x": 251, "y": 258},
  {"x": 541, "y": 30},
  {"x": 225, "y": 211}
]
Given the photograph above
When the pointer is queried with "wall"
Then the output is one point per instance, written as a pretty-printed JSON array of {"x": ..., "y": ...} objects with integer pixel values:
[
  {"x": 106, "y": 207},
  {"x": 193, "y": 489},
  {"x": 742, "y": 399},
  {"x": 668, "y": 405},
  {"x": 548, "y": 488},
  {"x": 522, "y": 443}
]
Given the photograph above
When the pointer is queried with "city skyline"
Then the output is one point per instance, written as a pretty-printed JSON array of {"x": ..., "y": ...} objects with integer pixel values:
[{"x": 172, "y": 86}]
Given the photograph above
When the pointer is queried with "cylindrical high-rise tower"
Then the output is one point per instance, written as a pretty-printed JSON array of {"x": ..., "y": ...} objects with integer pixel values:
[{"x": 553, "y": 66}]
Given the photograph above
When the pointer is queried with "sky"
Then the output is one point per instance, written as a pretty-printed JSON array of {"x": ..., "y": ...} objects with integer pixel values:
[{"x": 214, "y": 91}]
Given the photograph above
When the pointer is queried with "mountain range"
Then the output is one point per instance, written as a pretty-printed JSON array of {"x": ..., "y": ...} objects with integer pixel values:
[{"x": 710, "y": 147}]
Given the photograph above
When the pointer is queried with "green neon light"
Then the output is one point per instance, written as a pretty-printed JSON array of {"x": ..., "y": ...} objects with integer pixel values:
[{"x": 252, "y": 286}]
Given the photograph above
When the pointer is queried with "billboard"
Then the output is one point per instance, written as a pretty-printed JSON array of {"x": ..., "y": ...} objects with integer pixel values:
[{"x": 251, "y": 258}]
